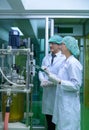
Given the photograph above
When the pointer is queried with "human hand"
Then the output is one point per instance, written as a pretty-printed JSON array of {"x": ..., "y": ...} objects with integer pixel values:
[
  {"x": 46, "y": 84},
  {"x": 54, "y": 78},
  {"x": 51, "y": 76}
]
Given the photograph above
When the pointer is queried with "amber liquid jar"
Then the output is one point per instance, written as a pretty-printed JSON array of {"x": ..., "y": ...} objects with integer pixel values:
[{"x": 16, "y": 106}]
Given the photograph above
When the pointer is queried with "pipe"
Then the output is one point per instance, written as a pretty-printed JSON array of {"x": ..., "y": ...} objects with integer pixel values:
[
  {"x": 9, "y": 50},
  {"x": 46, "y": 36},
  {"x": 6, "y": 120},
  {"x": 7, "y": 113},
  {"x": 16, "y": 90},
  {"x": 27, "y": 84}
]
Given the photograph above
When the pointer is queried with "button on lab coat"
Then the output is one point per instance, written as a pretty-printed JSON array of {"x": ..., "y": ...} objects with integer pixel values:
[
  {"x": 66, "y": 113},
  {"x": 48, "y": 97}
]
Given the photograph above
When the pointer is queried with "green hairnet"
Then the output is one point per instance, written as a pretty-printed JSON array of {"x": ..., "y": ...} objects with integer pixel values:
[
  {"x": 72, "y": 45},
  {"x": 55, "y": 39}
]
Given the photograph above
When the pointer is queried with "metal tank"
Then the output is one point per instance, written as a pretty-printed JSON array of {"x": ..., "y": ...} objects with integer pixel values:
[
  {"x": 16, "y": 99},
  {"x": 16, "y": 89}
]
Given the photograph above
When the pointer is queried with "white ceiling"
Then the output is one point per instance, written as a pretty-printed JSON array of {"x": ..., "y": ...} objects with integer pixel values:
[{"x": 10, "y": 8}]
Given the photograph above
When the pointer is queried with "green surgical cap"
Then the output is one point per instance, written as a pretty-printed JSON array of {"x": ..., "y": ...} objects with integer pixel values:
[
  {"x": 55, "y": 39},
  {"x": 72, "y": 45}
]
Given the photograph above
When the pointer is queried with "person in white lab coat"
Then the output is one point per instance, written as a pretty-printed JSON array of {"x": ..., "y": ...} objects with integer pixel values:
[
  {"x": 66, "y": 113},
  {"x": 49, "y": 88}
]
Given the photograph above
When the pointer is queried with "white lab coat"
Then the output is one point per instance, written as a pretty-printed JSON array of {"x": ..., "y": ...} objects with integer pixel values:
[
  {"x": 66, "y": 114},
  {"x": 48, "y": 97}
]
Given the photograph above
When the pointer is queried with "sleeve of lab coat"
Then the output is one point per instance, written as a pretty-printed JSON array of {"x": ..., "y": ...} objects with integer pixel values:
[
  {"x": 42, "y": 75},
  {"x": 74, "y": 81}
]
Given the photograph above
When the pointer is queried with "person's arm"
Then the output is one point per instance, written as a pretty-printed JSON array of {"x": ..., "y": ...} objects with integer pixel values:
[
  {"x": 75, "y": 78},
  {"x": 41, "y": 76},
  {"x": 74, "y": 81}
]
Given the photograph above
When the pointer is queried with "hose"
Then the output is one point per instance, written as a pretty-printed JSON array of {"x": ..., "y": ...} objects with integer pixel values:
[
  {"x": 6, "y": 120},
  {"x": 21, "y": 85},
  {"x": 7, "y": 113}
]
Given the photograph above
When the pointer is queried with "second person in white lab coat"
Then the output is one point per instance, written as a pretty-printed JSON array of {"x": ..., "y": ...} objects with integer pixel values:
[{"x": 66, "y": 113}]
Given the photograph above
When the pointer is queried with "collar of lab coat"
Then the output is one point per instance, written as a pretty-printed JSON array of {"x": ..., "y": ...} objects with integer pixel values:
[
  {"x": 56, "y": 59},
  {"x": 58, "y": 53}
]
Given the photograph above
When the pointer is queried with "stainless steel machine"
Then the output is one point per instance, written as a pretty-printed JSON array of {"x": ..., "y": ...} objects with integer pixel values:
[{"x": 16, "y": 89}]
